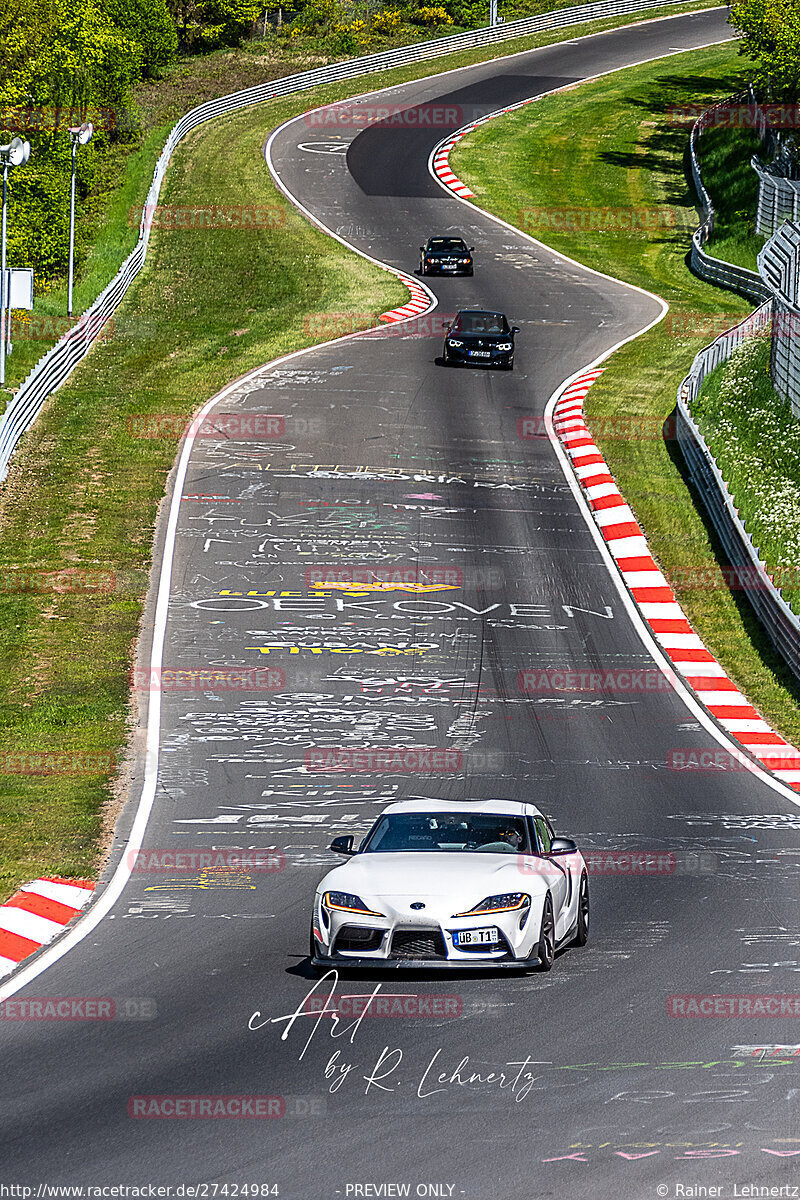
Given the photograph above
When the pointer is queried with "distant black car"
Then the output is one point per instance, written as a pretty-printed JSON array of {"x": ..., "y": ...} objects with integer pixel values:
[
  {"x": 482, "y": 338},
  {"x": 445, "y": 256}
]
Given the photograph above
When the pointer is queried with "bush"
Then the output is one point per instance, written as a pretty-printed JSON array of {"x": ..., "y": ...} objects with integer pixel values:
[
  {"x": 431, "y": 16},
  {"x": 386, "y": 21}
]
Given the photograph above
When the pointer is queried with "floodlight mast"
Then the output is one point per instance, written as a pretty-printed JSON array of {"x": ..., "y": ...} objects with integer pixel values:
[{"x": 79, "y": 135}]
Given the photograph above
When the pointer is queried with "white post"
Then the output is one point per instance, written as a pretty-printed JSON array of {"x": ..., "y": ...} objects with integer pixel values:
[
  {"x": 3, "y": 286},
  {"x": 71, "y": 228}
]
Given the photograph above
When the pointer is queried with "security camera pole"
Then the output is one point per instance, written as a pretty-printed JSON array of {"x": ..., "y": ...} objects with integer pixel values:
[
  {"x": 15, "y": 154},
  {"x": 79, "y": 135}
]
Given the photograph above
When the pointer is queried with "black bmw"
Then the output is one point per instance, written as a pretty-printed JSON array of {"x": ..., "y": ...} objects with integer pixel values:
[
  {"x": 482, "y": 338},
  {"x": 445, "y": 256}
]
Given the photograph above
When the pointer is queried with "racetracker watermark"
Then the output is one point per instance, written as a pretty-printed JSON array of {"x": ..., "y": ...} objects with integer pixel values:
[
  {"x": 42, "y": 327},
  {"x": 56, "y": 762},
  {"x": 45, "y": 582},
  {"x": 624, "y": 429},
  {"x": 753, "y": 1004},
  {"x": 747, "y": 578},
  {"x": 54, "y": 117},
  {"x": 395, "y": 116},
  {"x": 580, "y": 679},
  {"x": 188, "y": 1108},
  {"x": 208, "y": 679},
  {"x": 379, "y": 575},
  {"x": 157, "y": 862},
  {"x": 244, "y": 217},
  {"x": 332, "y": 325},
  {"x": 390, "y": 1004},
  {"x": 629, "y": 863},
  {"x": 736, "y": 116},
  {"x": 235, "y": 427},
  {"x": 707, "y": 761},
  {"x": 402, "y": 760},
  {"x": 596, "y": 219},
  {"x": 79, "y": 1008}
]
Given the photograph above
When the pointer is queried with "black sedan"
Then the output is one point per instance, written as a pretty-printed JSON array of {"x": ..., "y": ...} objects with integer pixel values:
[
  {"x": 445, "y": 256},
  {"x": 482, "y": 338}
]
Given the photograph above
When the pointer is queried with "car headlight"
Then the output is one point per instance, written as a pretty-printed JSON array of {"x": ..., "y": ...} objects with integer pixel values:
[
  {"x": 508, "y": 902},
  {"x": 347, "y": 902},
  {"x": 430, "y": 260},
  {"x": 452, "y": 342},
  {"x": 464, "y": 260},
  {"x": 504, "y": 346}
]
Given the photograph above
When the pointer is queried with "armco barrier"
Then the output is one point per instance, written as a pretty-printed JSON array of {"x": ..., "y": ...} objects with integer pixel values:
[
  {"x": 714, "y": 270},
  {"x": 55, "y": 367},
  {"x": 782, "y": 625}
]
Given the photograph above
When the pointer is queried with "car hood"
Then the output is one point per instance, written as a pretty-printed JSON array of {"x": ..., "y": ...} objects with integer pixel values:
[
  {"x": 431, "y": 875},
  {"x": 482, "y": 337}
]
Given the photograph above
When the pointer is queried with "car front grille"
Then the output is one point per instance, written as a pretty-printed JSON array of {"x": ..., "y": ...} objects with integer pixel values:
[
  {"x": 418, "y": 943},
  {"x": 358, "y": 937}
]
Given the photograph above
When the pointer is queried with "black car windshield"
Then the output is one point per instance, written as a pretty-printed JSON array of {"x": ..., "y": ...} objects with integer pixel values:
[
  {"x": 480, "y": 322},
  {"x": 447, "y": 244},
  {"x": 488, "y": 833}
]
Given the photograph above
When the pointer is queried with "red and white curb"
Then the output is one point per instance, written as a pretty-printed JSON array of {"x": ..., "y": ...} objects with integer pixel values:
[
  {"x": 442, "y": 169},
  {"x": 440, "y": 159},
  {"x": 420, "y": 301},
  {"x": 655, "y": 598},
  {"x": 36, "y": 913}
]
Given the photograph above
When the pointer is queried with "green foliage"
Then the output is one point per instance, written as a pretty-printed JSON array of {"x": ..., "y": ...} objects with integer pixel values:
[
  {"x": 431, "y": 15},
  {"x": 770, "y": 34},
  {"x": 209, "y": 24},
  {"x": 149, "y": 24}
]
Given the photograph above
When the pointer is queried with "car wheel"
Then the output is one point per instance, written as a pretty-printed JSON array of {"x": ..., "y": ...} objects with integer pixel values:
[
  {"x": 312, "y": 950},
  {"x": 582, "y": 927},
  {"x": 545, "y": 948},
  {"x": 470, "y": 271}
]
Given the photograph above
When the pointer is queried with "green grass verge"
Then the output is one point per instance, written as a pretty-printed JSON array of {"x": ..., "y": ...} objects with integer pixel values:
[
  {"x": 611, "y": 136},
  {"x": 756, "y": 442},
  {"x": 724, "y": 156}
]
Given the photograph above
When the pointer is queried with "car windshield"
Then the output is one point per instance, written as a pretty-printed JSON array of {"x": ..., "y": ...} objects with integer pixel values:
[
  {"x": 480, "y": 322},
  {"x": 488, "y": 833},
  {"x": 446, "y": 244}
]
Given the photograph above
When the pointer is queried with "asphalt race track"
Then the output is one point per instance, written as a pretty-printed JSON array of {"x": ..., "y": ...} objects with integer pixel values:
[{"x": 386, "y": 458}]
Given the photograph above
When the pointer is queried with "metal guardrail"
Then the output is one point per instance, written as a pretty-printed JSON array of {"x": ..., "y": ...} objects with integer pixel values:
[
  {"x": 55, "y": 367},
  {"x": 714, "y": 270},
  {"x": 781, "y": 623}
]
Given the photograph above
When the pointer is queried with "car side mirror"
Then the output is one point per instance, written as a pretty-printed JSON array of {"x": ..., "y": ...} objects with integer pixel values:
[
  {"x": 515, "y": 329},
  {"x": 422, "y": 249},
  {"x": 343, "y": 845},
  {"x": 447, "y": 328},
  {"x": 557, "y": 846},
  {"x": 471, "y": 249}
]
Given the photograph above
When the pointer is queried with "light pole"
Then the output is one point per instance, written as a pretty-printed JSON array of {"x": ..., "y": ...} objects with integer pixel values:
[
  {"x": 15, "y": 154},
  {"x": 79, "y": 135}
]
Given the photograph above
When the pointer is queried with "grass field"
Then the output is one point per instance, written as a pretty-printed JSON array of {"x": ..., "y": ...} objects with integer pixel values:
[{"x": 609, "y": 144}]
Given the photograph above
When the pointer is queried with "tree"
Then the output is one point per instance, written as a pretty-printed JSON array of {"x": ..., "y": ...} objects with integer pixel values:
[
  {"x": 208, "y": 24},
  {"x": 149, "y": 24},
  {"x": 770, "y": 34}
]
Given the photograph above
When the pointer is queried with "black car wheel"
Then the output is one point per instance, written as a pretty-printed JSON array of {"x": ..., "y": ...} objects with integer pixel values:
[
  {"x": 582, "y": 927},
  {"x": 545, "y": 948}
]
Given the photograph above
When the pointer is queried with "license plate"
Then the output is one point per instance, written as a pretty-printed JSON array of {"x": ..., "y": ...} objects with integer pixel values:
[
  {"x": 477, "y": 937},
  {"x": 480, "y": 354}
]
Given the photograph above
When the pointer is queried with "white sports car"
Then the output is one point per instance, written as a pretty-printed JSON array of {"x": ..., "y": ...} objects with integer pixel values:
[{"x": 476, "y": 883}]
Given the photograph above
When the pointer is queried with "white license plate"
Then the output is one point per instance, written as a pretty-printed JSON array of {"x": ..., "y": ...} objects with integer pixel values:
[
  {"x": 480, "y": 354},
  {"x": 477, "y": 937}
]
